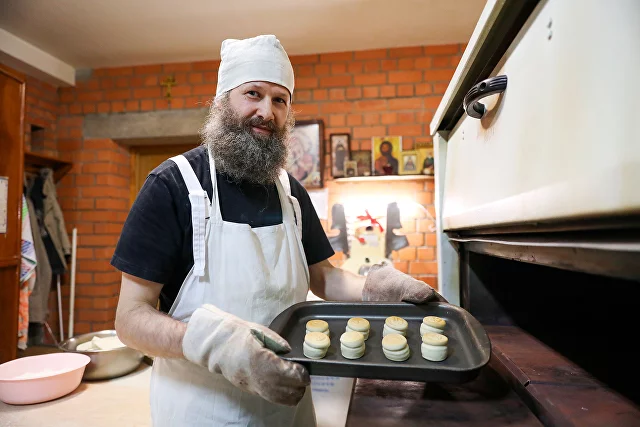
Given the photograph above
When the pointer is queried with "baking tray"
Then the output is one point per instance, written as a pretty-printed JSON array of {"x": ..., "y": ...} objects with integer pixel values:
[{"x": 469, "y": 344}]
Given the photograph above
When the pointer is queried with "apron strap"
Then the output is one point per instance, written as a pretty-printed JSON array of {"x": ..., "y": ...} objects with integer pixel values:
[
  {"x": 199, "y": 211},
  {"x": 297, "y": 213}
]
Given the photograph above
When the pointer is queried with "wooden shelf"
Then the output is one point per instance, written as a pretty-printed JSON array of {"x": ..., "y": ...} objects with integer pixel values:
[
  {"x": 33, "y": 162},
  {"x": 385, "y": 178}
]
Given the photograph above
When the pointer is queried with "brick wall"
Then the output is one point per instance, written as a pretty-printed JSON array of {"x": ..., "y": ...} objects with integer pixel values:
[
  {"x": 367, "y": 93},
  {"x": 41, "y": 115}
]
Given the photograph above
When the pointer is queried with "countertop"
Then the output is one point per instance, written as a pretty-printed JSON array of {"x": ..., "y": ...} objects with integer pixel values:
[{"x": 122, "y": 402}]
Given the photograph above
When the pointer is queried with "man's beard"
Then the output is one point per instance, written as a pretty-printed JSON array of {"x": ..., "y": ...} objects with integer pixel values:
[{"x": 238, "y": 151}]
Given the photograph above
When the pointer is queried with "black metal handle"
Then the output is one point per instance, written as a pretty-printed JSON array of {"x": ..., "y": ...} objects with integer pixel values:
[{"x": 487, "y": 87}]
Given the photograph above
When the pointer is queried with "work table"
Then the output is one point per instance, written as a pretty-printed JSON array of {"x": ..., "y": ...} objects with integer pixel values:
[{"x": 122, "y": 402}]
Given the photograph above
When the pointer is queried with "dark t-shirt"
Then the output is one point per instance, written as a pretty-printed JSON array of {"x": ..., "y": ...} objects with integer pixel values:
[{"x": 156, "y": 243}]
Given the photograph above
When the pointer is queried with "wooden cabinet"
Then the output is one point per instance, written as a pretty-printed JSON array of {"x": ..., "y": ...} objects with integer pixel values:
[{"x": 12, "y": 95}]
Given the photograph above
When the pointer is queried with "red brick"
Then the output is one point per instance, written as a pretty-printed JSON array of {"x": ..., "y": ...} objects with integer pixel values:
[
  {"x": 67, "y": 95},
  {"x": 106, "y": 228},
  {"x": 446, "y": 49},
  {"x": 75, "y": 109},
  {"x": 90, "y": 265},
  {"x": 388, "y": 91},
  {"x": 147, "y": 69},
  {"x": 335, "y": 81},
  {"x": 432, "y": 102},
  {"x": 304, "y": 59},
  {"x": 406, "y": 118},
  {"x": 117, "y": 106},
  {"x": 389, "y": 118},
  {"x": 306, "y": 83},
  {"x": 146, "y": 105},
  {"x": 423, "y": 267},
  {"x": 354, "y": 93},
  {"x": 337, "y": 120},
  {"x": 405, "y": 104},
  {"x": 99, "y": 168},
  {"x": 337, "y": 107},
  {"x": 439, "y": 75},
  {"x": 89, "y": 96},
  {"x": 105, "y": 279},
  {"x": 71, "y": 121},
  {"x": 354, "y": 120},
  {"x": 405, "y": 90},
  {"x": 370, "y": 79},
  {"x": 371, "y": 119},
  {"x": 355, "y": 67},
  {"x": 122, "y": 82},
  {"x": 206, "y": 89},
  {"x": 403, "y": 52},
  {"x": 302, "y": 96},
  {"x": 402, "y": 266},
  {"x": 337, "y": 94},
  {"x": 389, "y": 64},
  {"x": 320, "y": 94},
  {"x": 406, "y": 64},
  {"x": 371, "y": 54},
  {"x": 339, "y": 68},
  {"x": 322, "y": 69},
  {"x": 206, "y": 65},
  {"x": 405, "y": 254},
  {"x": 101, "y": 240},
  {"x": 406, "y": 130},
  {"x": 93, "y": 315},
  {"x": 112, "y": 180},
  {"x": 104, "y": 107},
  {"x": 107, "y": 83},
  {"x": 210, "y": 77},
  {"x": 306, "y": 109},
  {"x": 423, "y": 63},
  {"x": 455, "y": 60},
  {"x": 132, "y": 105},
  {"x": 440, "y": 88},
  {"x": 85, "y": 180},
  {"x": 426, "y": 254},
  {"x": 117, "y": 94},
  {"x": 161, "y": 104},
  {"x": 371, "y": 92},
  {"x": 89, "y": 108},
  {"x": 405, "y": 76},
  {"x": 175, "y": 67},
  {"x": 441, "y": 62},
  {"x": 372, "y": 66},
  {"x": 430, "y": 239},
  {"x": 336, "y": 57},
  {"x": 371, "y": 105},
  {"x": 97, "y": 290},
  {"x": 369, "y": 131},
  {"x": 85, "y": 204},
  {"x": 423, "y": 89},
  {"x": 112, "y": 204},
  {"x": 304, "y": 70},
  {"x": 177, "y": 103},
  {"x": 69, "y": 144},
  {"x": 415, "y": 239},
  {"x": 120, "y": 71}
]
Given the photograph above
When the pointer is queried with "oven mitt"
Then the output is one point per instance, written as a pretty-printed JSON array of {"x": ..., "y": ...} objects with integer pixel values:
[
  {"x": 243, "y": 352},
  {"x": 385, "y": 283}
]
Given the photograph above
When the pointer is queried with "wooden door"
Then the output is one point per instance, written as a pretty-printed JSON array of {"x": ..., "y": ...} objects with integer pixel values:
[
  {"x": 12, "y": 89},
  {"x": 144, "y": 159}
]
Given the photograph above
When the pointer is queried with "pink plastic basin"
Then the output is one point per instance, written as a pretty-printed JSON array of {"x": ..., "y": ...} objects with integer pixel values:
[{"x": 38, "y": 379}]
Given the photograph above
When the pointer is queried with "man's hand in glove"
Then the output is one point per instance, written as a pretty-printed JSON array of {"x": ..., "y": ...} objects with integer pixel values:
[
  {"x": 385, "y": 283},
  {"x": 243, "y": 352}
]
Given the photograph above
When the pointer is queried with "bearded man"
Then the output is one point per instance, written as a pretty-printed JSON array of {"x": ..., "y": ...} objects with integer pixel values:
[{"x": 227, "y": 240}]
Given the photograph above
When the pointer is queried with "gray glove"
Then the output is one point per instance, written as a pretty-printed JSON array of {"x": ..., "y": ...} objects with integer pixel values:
[
  {"x": 243, "y": 352},
  {"x": 385, "y": 283}
]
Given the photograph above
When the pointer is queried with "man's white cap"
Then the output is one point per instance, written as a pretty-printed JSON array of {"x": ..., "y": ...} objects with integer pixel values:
[{"x": 260, "y": 58}]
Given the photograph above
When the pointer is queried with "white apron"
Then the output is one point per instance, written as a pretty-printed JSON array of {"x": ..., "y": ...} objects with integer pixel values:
[{"x": 253, "y": 273}]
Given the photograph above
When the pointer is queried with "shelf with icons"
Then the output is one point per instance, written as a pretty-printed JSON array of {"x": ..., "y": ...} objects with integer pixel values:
[{"x": 384, "y": 178}]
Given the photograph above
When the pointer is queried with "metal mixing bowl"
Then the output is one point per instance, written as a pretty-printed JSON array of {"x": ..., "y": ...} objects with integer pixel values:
[{"x": 104, "y": 364}]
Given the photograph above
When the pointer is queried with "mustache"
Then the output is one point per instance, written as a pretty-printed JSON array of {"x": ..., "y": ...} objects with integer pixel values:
[{"x": 258, "y": 121}]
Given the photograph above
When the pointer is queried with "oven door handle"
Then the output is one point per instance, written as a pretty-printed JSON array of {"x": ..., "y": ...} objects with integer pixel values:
[{"x": 472, "y": 105}]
